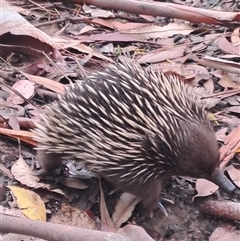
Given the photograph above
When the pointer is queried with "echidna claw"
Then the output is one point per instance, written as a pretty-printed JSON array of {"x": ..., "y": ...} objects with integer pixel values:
[
  {"x": 168, "y": 201},
  {"x": 162, "y": 208}
]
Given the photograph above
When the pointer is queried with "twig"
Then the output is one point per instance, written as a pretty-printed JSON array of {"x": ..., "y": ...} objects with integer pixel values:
[
  {"x": 226, "y": 210},
  {"x": 59, "y": 232},
  {"x": 170, "y": 10}
]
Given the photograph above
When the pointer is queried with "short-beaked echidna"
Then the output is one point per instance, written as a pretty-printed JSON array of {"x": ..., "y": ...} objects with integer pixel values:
[{"x": 134, "y": 127}]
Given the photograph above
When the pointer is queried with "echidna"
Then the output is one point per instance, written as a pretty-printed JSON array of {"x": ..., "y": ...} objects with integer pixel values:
[{"x": 135, "y": 128}]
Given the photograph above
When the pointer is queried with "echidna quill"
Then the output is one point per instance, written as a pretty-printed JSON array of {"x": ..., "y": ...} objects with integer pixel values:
[{"x": 133, "y": 127}]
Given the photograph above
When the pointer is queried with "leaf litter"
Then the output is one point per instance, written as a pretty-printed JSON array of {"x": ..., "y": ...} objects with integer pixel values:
[{"x": 85, "y": 39}]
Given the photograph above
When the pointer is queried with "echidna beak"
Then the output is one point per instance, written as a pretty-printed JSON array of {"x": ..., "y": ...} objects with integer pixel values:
[
  {"x": 224, "y": 183},
  {"x": 162, "y": 208}
]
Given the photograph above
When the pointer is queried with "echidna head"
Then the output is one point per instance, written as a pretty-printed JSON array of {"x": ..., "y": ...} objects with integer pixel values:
[
  {"x": 199, "y": 155},
  {"x": 192, "y": 151}
]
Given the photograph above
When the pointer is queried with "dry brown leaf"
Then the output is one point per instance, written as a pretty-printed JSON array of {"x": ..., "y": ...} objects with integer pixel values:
[
  {"x": 200, "y": 72},
  {"x": 19, "y": 237},
  {"x": 228, "y": 47},
  {"x": 30, "y": 203},
  {"x": 209, "y": 85},
  {"x": 3, "y": 189},
  {"x": 209, "y": 102},
  {"x": 22, "y": 11},
  {"x": 116, "y": 25},
  {"x": 85, "y": 49},
  {"x": 85, "y": 29},
  {"x": 20, "y": 35},
  {"x": 124, "y": 209},
  {"x": 6, "y": 172},
  {"x": 47, "y": 83},
  {"x": 205, "y": 188},
  {"x": 106, "y": 222},
  {"x": 229, "y": 80},
  {"x": 148, "y": 18},
  {"x": 73, "y": 217},
  {"x": 234, "y": 175},
  {"x": 235, "y": 39},
  {"x": 225, "y": 233},
  {"x": 221, "y": 134},
  {"x": 199, "y": 47},
  {"x": 13, "y": 122},
  {"x": 22, "y": 172},
  {"x": 162, "y": 54},
  {"x": 65, "y": 43},
  {"x": 25, "y": 88},
  {"x": 230, "y": 146},
  {"x": 233, "y": 100},
  {"x": 234, "y": 109},
  {"x": 218, "y": 73},
  {"x": 109, "y": 37},
  {"x": 153, "y": 31},
  {"x": 231, "y": 120},
  {"x": 189, "y": 71},
  {"x": 13, "y": 211},
  {"x": 97, "y": 12},
  {"x": 8, "y": 109},
  {"x": 72, "y": 182},
  {"x": 107, "y": 48}
]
